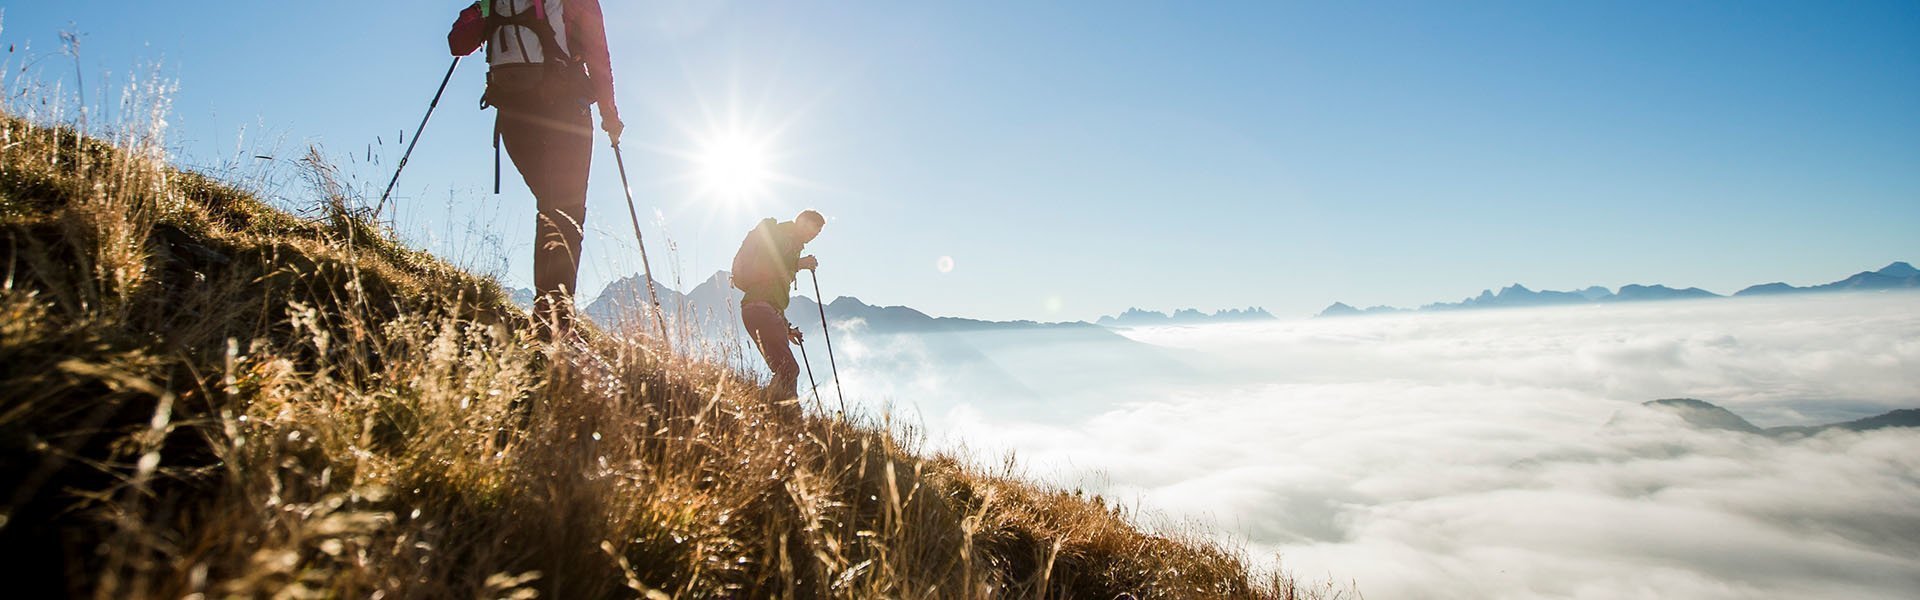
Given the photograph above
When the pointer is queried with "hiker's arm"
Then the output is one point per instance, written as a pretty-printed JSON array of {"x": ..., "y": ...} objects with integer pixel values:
[
  {"x": 588, "y": 30},
  {"x": 468, "y": 33}
]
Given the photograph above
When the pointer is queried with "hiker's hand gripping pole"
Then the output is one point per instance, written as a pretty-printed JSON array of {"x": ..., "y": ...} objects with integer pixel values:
[
  {"x": 416, "y": 136},
  {"x": 659, "y": 316}
]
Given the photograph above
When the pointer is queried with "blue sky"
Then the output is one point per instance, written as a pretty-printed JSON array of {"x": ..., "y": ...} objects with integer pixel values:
[{"x": 1075, "y": 159}]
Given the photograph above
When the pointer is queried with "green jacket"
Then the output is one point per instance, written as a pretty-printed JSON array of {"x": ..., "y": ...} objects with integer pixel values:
[{"x": 767, "y": 263}]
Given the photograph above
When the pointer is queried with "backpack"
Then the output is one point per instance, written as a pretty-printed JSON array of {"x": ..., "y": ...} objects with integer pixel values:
[
  {"x": 753, "y": 264},
  {"x": 530, "y": 64}
]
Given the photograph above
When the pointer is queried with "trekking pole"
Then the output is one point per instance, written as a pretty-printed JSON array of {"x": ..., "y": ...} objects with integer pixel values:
[
  {"x": 416, "y": 136},
  {"x": 659, "y": 315},
  {"x": 809, "y": 365},
  {"x": 825, "y": 330},
  {"x": 817, "y": 403}
]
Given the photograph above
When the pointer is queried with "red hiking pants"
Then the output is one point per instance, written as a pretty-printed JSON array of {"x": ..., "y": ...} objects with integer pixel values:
[{"x": 769, "y": 331}]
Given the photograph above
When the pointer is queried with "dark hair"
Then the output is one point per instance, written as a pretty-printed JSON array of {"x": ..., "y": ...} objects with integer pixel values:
[{"x": 811, "y": 215}]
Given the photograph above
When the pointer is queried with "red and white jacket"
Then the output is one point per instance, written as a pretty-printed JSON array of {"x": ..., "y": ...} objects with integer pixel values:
[{"x": 578, "y": 26}]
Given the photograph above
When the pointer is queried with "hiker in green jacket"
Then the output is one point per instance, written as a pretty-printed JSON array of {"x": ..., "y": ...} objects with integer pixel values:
[{"x": 765, "y": 268}]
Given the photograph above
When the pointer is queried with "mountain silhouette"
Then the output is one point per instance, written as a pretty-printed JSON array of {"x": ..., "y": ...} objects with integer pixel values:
[
  {"x": 1516, "y": 295},
  {"x": 1342, "y": 309},
  {"x": 1135, "y": 317},
  {"x": 1896, "y": 276},
  {"x": 1706, "y": 415},
  {"x": 1024, "y": 360},
  {"x": 715, "y": 302},
  {"x": 1632, "y": 293},
  {"x": 521, "y": 297}
]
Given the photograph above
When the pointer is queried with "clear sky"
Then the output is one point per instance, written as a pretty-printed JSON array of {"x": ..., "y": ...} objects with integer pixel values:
[{"x": 1075, "y": 159}]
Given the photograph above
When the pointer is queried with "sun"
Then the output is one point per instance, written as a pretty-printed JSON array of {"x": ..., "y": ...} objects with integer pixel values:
[
  {"x": 734, "y": 157},
  {"x": 733, "y": 167}
]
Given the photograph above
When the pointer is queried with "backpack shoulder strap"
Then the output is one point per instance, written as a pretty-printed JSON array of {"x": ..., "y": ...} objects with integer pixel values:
[{"x": 536, "y": 20}]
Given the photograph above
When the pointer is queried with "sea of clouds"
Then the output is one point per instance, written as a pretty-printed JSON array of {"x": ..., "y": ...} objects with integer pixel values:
[{"x": 1486, "y": 454}]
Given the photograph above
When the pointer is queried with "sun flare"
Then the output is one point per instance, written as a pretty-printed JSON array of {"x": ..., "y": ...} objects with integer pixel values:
[{"x": 733, "y": 167}]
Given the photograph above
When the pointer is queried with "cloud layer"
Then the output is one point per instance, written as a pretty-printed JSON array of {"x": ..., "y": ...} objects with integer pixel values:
[{"x": 1502, "y": 454}]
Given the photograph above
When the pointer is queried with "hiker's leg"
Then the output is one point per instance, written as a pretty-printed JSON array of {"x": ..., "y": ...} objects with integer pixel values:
[
  {"x": 553, "y": 149},
  {"x": 769, "y": 330}
]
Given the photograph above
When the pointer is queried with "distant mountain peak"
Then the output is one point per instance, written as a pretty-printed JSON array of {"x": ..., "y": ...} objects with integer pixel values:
[
  {"x": 846, "y": 302},
  {"x": 1895, "y": 276},
  {"x": 1137, "y": 317},
  {"x": 1703, "y": 414},
  {"x": 1342, "y": 309},
  {"x": 522, "y": 297},
  {"x": 1899, "y": 269}
]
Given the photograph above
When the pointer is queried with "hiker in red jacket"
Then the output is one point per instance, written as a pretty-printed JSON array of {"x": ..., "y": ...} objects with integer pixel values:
[
  {"x": 764, "y": 269},
  {"x": 548, "y": 63}
]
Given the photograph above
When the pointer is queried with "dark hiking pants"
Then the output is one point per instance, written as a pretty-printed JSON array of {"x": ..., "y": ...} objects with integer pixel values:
[
  {"x": 552, "y": 146},
  {"x": 769, "y": 331}
]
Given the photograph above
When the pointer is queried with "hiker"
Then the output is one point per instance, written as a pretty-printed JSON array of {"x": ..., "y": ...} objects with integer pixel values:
[
  {"x": 764, "y": 269},
  {"x": 548, "y": 63}
]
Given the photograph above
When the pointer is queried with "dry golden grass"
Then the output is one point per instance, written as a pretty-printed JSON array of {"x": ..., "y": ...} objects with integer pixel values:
[{"x": 208, "y": 397}]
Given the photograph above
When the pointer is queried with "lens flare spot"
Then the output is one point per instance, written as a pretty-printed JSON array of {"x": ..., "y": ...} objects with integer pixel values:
[{"x": 944, "y": 265}]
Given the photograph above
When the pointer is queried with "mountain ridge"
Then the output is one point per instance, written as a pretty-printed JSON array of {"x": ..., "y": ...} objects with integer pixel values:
[
  {"x": 1896, "y": 276},
  {"x": 1137, "y": 317},
  {"x": 1707, "y": 415},
  {"x": 713, "y": 306}
]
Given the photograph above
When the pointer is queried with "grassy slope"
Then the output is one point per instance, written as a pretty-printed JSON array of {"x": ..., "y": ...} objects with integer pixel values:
[{"x": 203, "y": 394}]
